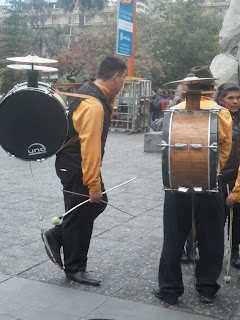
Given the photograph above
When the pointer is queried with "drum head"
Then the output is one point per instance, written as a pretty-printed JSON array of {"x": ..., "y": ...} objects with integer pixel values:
[{"x": 33, "y": 124}]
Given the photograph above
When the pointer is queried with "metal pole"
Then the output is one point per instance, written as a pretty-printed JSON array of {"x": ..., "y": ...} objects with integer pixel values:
[{"x": 131, "y": 59}]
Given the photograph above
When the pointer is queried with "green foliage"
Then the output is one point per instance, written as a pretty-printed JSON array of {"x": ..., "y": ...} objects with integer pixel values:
[
  {"x": 146, "y": 64},
  {"x": 69, "y": 5},
  {"x": 92, "y": 4},
  {"x": 9, "y": 79},
  {"x": 186, "y": 37},
  {"x": 16, "y": 37}
]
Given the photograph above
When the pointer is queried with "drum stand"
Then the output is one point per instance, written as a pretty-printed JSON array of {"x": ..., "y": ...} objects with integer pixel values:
[
  {"x": 31, "y": 68},
  {"x": 32, "y": 78},
  {"x": 194, "y": 233}
]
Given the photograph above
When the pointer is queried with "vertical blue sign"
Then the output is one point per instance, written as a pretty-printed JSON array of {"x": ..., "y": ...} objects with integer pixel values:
[{"x": 125, "y": 27}]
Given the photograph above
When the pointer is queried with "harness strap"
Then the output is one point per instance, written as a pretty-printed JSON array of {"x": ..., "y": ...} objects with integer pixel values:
[{"x": 77, "y": 95}]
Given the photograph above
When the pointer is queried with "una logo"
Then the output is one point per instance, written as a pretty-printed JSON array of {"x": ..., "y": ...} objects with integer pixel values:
[{"x": 36, "y": 148}]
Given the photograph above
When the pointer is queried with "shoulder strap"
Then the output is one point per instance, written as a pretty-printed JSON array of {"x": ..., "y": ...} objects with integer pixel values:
[
  {"x": 77, "y": 95},
  {"x": 73, "y": 139},
  {"x": 216, "y": 107}
]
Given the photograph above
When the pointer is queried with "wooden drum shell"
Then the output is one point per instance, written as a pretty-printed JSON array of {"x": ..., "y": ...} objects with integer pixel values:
[{"x": 182, "y": 164}]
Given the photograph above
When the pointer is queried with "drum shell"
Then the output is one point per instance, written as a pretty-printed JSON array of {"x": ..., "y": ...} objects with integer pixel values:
[
  {"x": 33, "y": 122},
  {"x": 187, "y": 167}
]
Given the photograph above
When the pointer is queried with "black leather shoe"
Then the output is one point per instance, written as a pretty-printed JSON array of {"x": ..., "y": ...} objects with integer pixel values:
[
  {"x": 52, "y": 247},
  {"x": 236, "y": 262},
  {"x": 83, "y": 277},
  {"x": 168, "y": 298},
  {"x": 205, "y": 299}
]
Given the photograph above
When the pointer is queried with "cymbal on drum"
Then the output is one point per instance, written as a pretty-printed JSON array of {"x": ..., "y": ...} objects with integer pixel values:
[
  {"x": 32, "y": 58},
  {"x": 30, "y": 67},
  {"x": 190, "y": 91},
  {"x": 191, "y": 79}
]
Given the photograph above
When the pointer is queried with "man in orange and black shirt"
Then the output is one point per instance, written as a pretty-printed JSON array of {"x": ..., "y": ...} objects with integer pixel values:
[{"x": 78, "y": 167}]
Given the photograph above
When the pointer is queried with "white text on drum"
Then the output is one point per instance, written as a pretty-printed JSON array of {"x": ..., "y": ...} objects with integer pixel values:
[{"x": 36, "y": 148}]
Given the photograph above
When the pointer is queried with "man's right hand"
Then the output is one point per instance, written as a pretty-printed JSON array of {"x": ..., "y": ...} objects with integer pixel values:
[{"x": 95, "y": 196}]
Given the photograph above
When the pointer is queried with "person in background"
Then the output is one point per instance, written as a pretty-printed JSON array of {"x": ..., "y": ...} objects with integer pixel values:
[
  {"x": 228, "y": 96},
  {"x": 152, "y": 105}
]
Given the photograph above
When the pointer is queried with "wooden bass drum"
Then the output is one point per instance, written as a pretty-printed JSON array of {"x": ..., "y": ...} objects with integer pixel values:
[{"x": 190, "y": 150}]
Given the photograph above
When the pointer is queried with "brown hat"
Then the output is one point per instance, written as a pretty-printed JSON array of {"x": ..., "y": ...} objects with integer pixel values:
[{"x": 204, "y": 72}]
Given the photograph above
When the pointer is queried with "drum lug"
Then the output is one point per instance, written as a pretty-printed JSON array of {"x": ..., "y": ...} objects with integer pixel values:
[
  {"x": 180, "y": 146},
  {"x": 214, "y": 147},
  {"x": 196, "y": 146},
  {"x": 197, "y": 189},
  {"x": 163, "y": 145},
  {"x": 183, "y": 189}
]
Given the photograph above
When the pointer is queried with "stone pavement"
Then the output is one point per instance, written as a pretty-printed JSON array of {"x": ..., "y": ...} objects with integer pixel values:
[{"x": 124, "y": 251}]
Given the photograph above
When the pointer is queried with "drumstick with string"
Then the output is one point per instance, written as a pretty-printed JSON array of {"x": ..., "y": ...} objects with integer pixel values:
[
  {"x": 109, "y": 204},
  {"x": 227, "y": 277},
  {"x": 56, "y": 220}
]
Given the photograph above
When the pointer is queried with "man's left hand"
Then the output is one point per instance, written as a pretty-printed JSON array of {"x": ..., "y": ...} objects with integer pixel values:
[{"x": 230, "y": 202}]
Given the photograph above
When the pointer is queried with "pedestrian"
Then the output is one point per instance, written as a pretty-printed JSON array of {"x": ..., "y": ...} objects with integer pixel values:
[
  {"x": 78, "y": 167},
  {"x": 228, "y": 96},
  {"x": 209, "y": 213},
  {"x": 157, "y": 109},
  {"x": 152, "y": 105}
]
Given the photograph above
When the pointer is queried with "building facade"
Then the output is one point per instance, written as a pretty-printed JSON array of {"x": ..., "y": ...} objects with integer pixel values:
[{"x": 52, "y": 15}]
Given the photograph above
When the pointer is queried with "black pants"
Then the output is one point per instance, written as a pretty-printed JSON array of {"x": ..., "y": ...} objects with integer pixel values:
[
  {"x": 236, "y": 216},
  {"x": 75, "y": 231},
  {"x": 177, "y": 219}
]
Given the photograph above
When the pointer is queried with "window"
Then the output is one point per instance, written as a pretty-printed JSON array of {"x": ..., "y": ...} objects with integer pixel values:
[{"x": 54, "y": 20}]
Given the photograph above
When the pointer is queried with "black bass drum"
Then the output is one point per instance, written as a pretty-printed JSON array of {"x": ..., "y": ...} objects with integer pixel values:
[{"x": 33, "y": 122}]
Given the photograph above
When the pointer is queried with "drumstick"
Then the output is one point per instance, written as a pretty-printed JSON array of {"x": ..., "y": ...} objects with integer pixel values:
[
  {"x": 56, "y": 220},
  {"x": 227, "y": 278},
  {"x": 84, "y": 195}
]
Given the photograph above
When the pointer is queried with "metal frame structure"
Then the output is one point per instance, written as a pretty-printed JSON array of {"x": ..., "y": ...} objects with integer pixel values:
[{"x": 132, "y": 105}]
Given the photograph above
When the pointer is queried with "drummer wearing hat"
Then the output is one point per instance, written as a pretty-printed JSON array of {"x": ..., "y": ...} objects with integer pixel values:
[
  {"x": 201, "y": 72},
  {"x": 209, "y": 215}
]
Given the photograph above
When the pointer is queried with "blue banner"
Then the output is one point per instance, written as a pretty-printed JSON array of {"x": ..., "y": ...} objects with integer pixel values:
[{"x": 125, "y": 27}]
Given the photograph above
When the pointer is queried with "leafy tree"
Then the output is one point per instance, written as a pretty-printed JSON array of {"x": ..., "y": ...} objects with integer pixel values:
[
  {"x": 38, "y": 4},
  {"x": 8, "y": 79},
  {"x": 82, "y": 59},
  {"x": 84, "y": 5},
  {"x": 16, "y": 40},
  {"x": 185, "y": 35},
  {"x": 146, "y": 64},
  {"x": 16, "y": 36},
  {"x": 67, "y": 5},
  {"x": 93, "y": 4}
]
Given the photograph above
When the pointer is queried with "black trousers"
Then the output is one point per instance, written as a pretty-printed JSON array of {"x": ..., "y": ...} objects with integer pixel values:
[
  {"x": 75, "y": 231},
  {"x": 177, "y": 220},
  {"x": 236, "y": 216}
]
